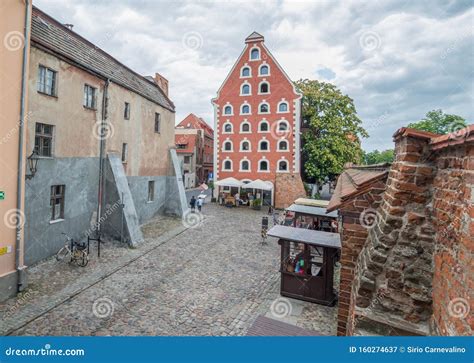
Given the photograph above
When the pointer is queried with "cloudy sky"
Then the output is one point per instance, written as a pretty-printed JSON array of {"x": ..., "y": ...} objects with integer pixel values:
[{"x": 396, "y": 59}]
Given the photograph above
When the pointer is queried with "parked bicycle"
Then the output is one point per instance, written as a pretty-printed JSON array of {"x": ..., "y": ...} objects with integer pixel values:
[{"x": 76, "y": 250}]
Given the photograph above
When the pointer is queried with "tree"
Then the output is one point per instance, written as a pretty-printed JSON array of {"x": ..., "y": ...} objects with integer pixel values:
[
  {"x": 378, "y": 157},
  {"x": 439, "y": 123},
  {"x": 334, "y": 130}
]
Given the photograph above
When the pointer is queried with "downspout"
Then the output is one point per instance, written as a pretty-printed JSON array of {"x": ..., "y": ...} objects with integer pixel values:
[
  {"x": 20, "y": 268},
  {"x": 102, "y": 157}
]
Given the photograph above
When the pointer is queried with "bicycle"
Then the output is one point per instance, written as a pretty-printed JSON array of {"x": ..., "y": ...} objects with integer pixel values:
[{"x": 77, "y": 251}]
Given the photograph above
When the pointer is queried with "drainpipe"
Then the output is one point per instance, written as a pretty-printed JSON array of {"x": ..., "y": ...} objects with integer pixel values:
[
  {"x": 102, "y": 157},
  {"x": 19, "y": 193}
]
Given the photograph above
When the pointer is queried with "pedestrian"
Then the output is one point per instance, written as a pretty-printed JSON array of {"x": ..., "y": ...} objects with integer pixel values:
[
  {"x": 192, "y": 203},
  {"x": 199, "y": 203}
]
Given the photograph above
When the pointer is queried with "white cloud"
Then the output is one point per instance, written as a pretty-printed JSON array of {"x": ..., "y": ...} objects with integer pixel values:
[{"x": 396, "y": 59}]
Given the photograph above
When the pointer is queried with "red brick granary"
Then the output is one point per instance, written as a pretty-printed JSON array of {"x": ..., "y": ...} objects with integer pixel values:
[{"x": 257, "y": 119}]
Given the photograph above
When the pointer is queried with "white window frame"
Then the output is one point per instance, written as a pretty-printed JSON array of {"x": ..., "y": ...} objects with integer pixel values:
[
  {"x": 231, "y": 127},
  {"x": 283, "y": 122},
  {"x": 259, "y": 54},
  {"x": 246, "y": 83},
  {"x": 264, "y": 121},
  {"x": 287, "y": 146},
  {"x": 261, "y": 104},
  {"x": 231, "y": 146},
  {"x": 287, "y": 166},
  {"x": 242, "y": 106},
  {"x": 287, "y": 106},
  {"x": 231, "y": 165},
  {"x": 241, "y": 148},
  {"x": 231, "y": 110},
  {"x": 260, "y": 163},
  {"x": 240, "y": 166},
  {"x": 260, "y": 84},
  {"x": 260, "y": 67},
  {"x": 242, "y": 69},
  {"x": 245, "y": 122},
  {"x": 260, "y": 144}
]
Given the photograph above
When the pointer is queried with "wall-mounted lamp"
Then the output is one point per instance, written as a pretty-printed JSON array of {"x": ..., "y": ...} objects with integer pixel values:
[{"x": 32, "y": 164}]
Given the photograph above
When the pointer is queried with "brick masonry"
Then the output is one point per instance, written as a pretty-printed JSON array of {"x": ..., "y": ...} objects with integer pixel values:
[{"x": 288, "y": 188}]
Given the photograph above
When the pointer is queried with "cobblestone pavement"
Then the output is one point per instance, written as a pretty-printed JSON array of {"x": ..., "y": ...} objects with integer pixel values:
[{"x": 213, "y": 279}]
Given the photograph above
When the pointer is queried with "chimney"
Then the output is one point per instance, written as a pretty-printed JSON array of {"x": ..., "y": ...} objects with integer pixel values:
[
  {"x": 162, "y": 82},
  {"x": 69, "y": 26}
]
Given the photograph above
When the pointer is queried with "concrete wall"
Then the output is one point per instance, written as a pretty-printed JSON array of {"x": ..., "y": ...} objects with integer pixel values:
[{"x": 139, "y": 188}]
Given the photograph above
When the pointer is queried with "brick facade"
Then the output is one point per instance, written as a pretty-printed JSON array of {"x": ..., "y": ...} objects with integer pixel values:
[{"x": 288, "y": 188}]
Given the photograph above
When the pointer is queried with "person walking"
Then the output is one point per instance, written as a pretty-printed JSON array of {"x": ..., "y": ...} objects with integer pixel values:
[
  {"x": 199, "y": 203},
  {"x": 192, "y": 203}
]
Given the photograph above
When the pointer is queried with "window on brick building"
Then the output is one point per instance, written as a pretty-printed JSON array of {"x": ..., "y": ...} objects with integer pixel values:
[
  {"x": 228, "y": 127},
  {"x": 228, "y": 110},
  {"x": 263, "y": 145},
  {"x": 283, "y": 126},
  {"x": 282, "y": 165},
  {"x": 44, "y": 139},
  {"x": 264, "y": 88},
  {"x": 255, "y": 54},
  {"x": 263, "y": 126},
  {"x": 245, "y": 127},
  {"x": 227, "y": 165},
  {"x": 228, "y": 146},
  {"x": 283, "y": 107},
  {"x": 245, "y": 109},
  {"x": 264, "y": 108},
  {"x": 263, "y": 165},
  {"x": 245, "y": 90},
  {"x": 58, "y": 193},
  {"x": 245, "y": 146},
  {"x": 264, "y": 70},
  {"x": 245, "y": 72},
  {"x": 244, "y": 165},
  {"x": 282, "y": 145}
]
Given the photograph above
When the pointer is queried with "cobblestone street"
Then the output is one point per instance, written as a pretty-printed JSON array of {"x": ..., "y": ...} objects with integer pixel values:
[{"x": 214, "y": 279}]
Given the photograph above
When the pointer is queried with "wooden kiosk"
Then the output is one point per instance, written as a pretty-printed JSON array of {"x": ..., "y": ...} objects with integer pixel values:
[
  {"x": 312, "y": 217},
  {"x": 307, "y": 263}
]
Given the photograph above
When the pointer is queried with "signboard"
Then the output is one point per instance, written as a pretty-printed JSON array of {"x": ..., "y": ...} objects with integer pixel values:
[
  {"x": 2, "y": 195},
  {"x": 5, "y": 250}
]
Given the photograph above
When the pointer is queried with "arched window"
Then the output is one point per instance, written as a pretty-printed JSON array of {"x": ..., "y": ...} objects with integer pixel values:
[
  {"x": 263, "y": 145},
  {"x": 245, "y": 90},
  {"x": 264, "y": 87},
  {"x": 227, "y": 128},
  {"x": 283, "y": 145},
  {"x": 263, "y": 126},
  {"x": 245, "y": 72},
  {"x": 283, "y": 107},
  {"x": 228, "y": 110},
  {"x": 244, "y": 165},
  {"x": 245, "y": 109},
  {"x": 263, "y": 165},
  {"x": 255, "y": 54},
  {"x": 283, "y": 126},
  {"x": 264, "y": 108},
  {"x": 263, "y": 70},
  {"x": 283, "y": 165},
  {"x": 227, "y": 145},
  {"x": 245, "y": 145},
  {"x": 245, "y": 127},
  {"x": 227, "y": 165}
]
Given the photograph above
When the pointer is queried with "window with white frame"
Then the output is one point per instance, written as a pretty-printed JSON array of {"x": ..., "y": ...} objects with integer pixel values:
[
  {"x": 282, "y": 145},
  {"x": 283, "y": 125},
  {"x": 245, "y": 72},
  {"x": 264, "y": 88},
  {"x": 254, "y": 54},
  {"x": 283, "y": 107},
  {"x": 227, "y": 164},
  {"x": 263, "y": 165},
  {"x": 263, "y": 126},
  {"x": 282, "y": 165},
  {"x": 227, "y": 146},
  {"x": 245, "y": 127},
  {"x": 228, "y": 110},
  {"x": 227, "y": 128},
  {"x": 263, "y": 70},
  {"x": 245, "y": 109},
  {"x": 245, "y": 146},
  {"x": 245, "y": 89},
  {"x": 244, "y": 165},
  {"x": 264, "y": 108},
  {"x": 263, "y": 145}
]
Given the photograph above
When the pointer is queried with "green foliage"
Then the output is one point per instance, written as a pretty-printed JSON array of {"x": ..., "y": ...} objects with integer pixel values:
[
  {"x": 439, "y": 123},
  {"x": 378, "y": 157},
  {"x": 334, "y": 130}
]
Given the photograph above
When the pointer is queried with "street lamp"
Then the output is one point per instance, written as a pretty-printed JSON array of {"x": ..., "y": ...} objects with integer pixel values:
[{"x": 32, "y": 164}]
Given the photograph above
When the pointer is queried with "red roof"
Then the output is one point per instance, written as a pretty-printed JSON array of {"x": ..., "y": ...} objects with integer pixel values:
[
  {"x": 194, "y": 122},
  {"x": 185, "y": 139}
]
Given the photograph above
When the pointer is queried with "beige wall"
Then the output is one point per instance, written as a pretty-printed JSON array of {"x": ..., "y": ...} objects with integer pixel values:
[
  {"x": 12, "y": 16},
  {"x": 77, "y": 128}
]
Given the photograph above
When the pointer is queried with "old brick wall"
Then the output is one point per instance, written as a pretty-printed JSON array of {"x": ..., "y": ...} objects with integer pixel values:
[
  {"x": 288, "y": 188},
  {"x": 353, "y": 237},
  {"x": 453, "y": 281}
]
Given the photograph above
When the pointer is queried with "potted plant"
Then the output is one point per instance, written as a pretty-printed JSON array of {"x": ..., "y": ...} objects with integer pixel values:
[{"x": 257, "y": 204}]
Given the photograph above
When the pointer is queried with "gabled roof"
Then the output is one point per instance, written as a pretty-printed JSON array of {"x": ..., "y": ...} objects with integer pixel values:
[
  {"x": 50, "y": 35},
  {"x": 254, "y": 37},
  {"x": 355, "y": 180},
  {"x": 196, "y": 123}
]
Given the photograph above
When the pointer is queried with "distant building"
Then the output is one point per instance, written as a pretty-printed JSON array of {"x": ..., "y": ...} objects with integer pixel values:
[
  {"x": 194, "y": 140},
  {"x": 257, "y": 125}
]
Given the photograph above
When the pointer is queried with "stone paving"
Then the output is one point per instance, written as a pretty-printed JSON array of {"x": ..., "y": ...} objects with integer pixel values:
[{"x": 212, "y": 279}]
